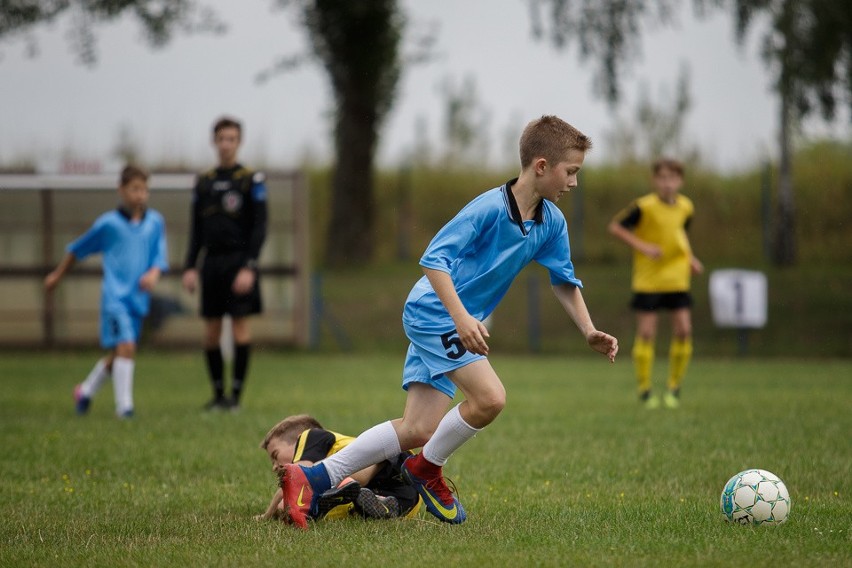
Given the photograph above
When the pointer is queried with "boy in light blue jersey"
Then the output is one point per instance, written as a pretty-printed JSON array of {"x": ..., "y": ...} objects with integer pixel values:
[
  {"x": 468, "y": 267},
  {"x": 132, "y": 239}
]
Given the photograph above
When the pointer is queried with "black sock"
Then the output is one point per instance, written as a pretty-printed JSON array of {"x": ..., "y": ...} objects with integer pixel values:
[
  {"x": 241, "y": 360},
  {"x": 215, "y": 367}
]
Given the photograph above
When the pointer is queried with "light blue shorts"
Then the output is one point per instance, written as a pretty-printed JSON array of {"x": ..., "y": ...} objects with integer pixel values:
[
  {"x": 118, "y": 325},
  {"x": 431, "y": 355}
]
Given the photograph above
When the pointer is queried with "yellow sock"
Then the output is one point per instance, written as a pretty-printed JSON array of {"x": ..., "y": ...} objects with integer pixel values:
[
  {"x": 680, "y": 353},
  {"x": 643, "y": 362}
]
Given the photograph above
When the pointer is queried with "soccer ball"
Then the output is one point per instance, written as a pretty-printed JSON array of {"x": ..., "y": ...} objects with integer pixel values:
[{"x": 755, "y": 497}]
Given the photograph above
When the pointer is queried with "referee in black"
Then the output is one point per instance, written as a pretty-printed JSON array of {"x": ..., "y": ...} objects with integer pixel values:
[{"x": 228, "y": 223}]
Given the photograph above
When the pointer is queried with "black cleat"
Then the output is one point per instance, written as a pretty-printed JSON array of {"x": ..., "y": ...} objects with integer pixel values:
[
  {"x": 343, "y": 494},
  {"x": 217, "y": 404},
  {"x": 372, "y": 506}
]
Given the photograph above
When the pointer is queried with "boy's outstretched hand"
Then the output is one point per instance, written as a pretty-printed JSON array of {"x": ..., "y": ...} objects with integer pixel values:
[{"x": 603, "y": 343}]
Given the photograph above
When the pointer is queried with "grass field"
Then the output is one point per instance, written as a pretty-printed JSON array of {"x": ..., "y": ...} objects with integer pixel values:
[{"x": 573, "y": 473}]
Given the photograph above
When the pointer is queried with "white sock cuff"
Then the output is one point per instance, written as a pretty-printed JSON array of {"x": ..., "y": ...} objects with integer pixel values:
[
  {"x": 121, "y": 361},
  {"x": 122, "y": 380},
  {"x": 459, "y": 425},
  {"x": 451, "y": 434},
  {"x": 390, "y": 441}
]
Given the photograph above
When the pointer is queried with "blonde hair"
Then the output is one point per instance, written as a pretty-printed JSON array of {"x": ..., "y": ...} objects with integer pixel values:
[
  {"x": 551, "y": 138},
  {"x": 289, "y": 429}
]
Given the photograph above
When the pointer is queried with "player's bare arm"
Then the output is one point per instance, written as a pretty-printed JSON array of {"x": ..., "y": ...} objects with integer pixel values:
[
  {"x": 572, "y": 301},
  {"x": 271, "y": 511},
  {"x": 190, "y": 280},
  {"x": 150, "y": 279},
  {"x": 648, "y": 249},
  {"x": 244, "y": 281},
  {"x": 471, "y": 331},
  {"x": 52, "y": 280}
]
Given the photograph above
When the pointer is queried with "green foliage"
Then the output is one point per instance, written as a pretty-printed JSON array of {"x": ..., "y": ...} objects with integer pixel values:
[
  {"x": 159, "y": 19},
  {"x": 729, "y": 207},
  {"x": 574, "y": 473}
]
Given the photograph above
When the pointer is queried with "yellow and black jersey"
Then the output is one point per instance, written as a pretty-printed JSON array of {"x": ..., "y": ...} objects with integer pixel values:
[
  {"x": 663, "y": 224},
  {"x": 315, "y": 444}
]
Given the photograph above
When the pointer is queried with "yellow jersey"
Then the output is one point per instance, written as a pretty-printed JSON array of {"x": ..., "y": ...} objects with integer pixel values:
[{"x": 663, "y": 224}]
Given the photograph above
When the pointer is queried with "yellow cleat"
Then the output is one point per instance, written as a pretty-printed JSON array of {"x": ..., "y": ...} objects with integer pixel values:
[
  {"x": 651, "y": 402},
  {"x": 671, "y": 401}
]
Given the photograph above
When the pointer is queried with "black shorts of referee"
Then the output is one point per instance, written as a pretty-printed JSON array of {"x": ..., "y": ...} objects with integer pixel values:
[{"x": 217, "y": 295}]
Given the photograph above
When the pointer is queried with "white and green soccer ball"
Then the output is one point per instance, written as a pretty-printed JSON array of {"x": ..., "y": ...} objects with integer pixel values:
[{"x": 755, "y": 497}]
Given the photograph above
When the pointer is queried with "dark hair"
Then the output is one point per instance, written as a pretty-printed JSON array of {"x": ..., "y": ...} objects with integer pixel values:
[
  {"x": 227, "y": 122},
  {"x": 130, "y": 173},
  {"x": 551, "y": 138},
  {"x": 668, "y": 164}
]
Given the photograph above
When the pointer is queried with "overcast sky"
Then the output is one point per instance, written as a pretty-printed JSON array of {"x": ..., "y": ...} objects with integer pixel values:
[{"x": 168, "y": 98}]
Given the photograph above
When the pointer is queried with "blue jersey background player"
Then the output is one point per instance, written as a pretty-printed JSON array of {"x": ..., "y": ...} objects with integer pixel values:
[
  {"x": 132, "y": 240},
  {"x": 468, "y": 267}
]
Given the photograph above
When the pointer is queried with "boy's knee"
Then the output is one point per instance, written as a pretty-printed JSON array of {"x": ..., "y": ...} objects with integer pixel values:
[{"x": 487, "y": 407}]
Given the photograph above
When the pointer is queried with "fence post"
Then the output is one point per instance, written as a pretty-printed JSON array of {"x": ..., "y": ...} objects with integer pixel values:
[
  {"x": 766, "y": 208},
  {"x": 47, "y": 235}
]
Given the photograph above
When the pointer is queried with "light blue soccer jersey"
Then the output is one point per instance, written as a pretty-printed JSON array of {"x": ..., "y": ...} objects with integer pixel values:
[
  {"x": 483, "y": 248},
  {"x": 129, "y": 250}
]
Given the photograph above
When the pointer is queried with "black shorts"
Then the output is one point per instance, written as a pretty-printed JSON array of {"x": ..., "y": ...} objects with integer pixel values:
[
  {"x": 388, "y": 482},
  {"x": 217, "y": 297},
  {"x": 651, "y": 302}
]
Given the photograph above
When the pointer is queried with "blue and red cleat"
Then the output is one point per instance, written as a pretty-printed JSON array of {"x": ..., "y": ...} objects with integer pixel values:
[
  {"x": 428, "y": 479},
  {"x": 301, "y": 488}
]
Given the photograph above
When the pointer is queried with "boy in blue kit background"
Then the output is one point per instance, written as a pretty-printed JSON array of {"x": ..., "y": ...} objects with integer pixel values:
[
  {"x": 468, "y": 267},
  {"x": 132, "y": 239}
]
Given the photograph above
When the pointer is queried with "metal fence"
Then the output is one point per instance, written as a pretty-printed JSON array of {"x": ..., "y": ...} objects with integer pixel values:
[{"x": 41, "y": 214}]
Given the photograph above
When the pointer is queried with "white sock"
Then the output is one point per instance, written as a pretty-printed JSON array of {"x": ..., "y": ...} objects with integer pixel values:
[
  {"x": 95, "y": 379},
  {"x": 375, "y": 445},
  {"x": 451, "y": 433},
  {"x": 122, "y": 381}
]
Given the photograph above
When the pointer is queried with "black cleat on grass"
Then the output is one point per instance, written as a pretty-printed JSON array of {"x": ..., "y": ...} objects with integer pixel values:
[
  {"x": 374, "y": 506},
  {"x": 217, "y": 404},
  {"x": 336, "y": 496}
]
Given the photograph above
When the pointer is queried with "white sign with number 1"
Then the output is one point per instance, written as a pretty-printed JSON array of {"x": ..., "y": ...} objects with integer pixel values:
[{"x": 738, "y": 298}]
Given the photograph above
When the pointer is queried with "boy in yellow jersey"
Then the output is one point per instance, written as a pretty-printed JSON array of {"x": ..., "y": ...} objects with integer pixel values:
[
  {"x": 655, "y": 226},
  {"x": 376, "y": 492}
]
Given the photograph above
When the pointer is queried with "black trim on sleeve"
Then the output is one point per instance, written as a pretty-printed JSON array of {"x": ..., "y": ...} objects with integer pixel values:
[{"x": 631, "y": 219}]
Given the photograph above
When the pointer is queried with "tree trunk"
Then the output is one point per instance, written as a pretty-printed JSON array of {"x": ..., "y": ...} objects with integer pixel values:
[
  {"x": 358, "y": 44},
  {"x": 784, "y": 249},
  {"x": 350, "y": 238}
]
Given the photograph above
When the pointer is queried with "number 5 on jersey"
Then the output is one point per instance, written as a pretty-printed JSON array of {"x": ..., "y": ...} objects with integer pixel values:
[{"x": 453, "y": 345}]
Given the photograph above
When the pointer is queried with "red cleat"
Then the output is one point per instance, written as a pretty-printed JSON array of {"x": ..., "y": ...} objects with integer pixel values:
[{"x": 298, "y": 495}]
